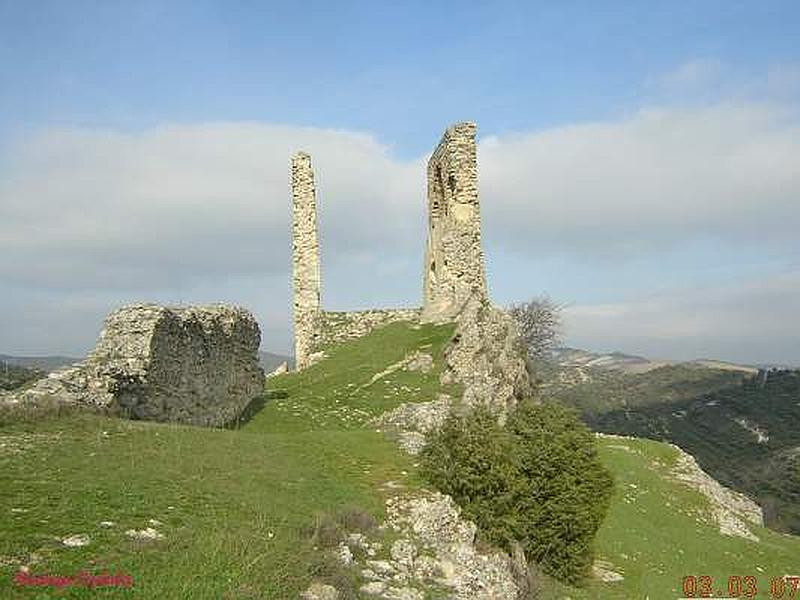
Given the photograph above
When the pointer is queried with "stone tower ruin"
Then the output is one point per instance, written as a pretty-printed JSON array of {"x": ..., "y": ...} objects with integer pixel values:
[
  {"x": 305, "y": 258},
  {"x": 453, "y": 270}
]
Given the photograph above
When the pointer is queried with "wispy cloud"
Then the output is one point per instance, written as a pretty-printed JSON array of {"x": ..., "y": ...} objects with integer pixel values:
[{"x": 692, "y": 75}]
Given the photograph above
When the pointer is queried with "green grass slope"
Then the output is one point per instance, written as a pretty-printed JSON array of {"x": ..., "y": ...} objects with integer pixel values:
[
  {"x": 232, "y": 503},
  {"x": 659, "y": 530},
  {"x": 745, "y": 435}
]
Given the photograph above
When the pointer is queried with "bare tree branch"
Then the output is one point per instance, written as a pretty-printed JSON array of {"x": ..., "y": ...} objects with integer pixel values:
[{"x": 539, "y": 322}]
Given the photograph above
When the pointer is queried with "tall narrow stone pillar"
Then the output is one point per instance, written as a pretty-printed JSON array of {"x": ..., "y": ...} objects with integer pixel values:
[
  {"x": 305, "y": 258},
  {"x": 453, "y": 258}
]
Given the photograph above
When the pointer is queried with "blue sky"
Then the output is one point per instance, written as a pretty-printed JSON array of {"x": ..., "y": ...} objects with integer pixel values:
[
  {"x": 398, "y": 70},
  {"x": 637, "y": 161}
]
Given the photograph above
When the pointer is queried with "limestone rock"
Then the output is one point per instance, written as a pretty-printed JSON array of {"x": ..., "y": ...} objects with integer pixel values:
[
  {"x": 196, "y": 365},
  {"x": 77, "y": 540},
  {"x": 320, "y": 591},
  {"x": 279, "y": 370},
  {"x": 419, "y": 361},
  {"x": 412, "y": 420},
  {"x": 417, "y": 416},
  {"x": 147, "y": 534},
  {"x": 731, "y": 510},
  {"x": 486, "y": 355}
]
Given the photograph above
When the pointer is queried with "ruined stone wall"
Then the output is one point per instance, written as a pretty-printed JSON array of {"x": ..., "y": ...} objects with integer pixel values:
[
  {"x": 305, "y": 258},
  {"x": 196, "y": 365},
  {"x": 336, "y": 327},
  {"x": 453, "y": 269}
]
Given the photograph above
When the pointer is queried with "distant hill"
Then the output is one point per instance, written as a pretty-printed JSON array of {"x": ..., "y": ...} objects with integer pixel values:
[
  {"x": 43, "y": 363},
  {"x": 741, "y": 424},
  {"x": 14, "y": 376},
  {"x": 631, "y": 363},
  {"x": 594, "y": 389},
  {"x": 614, "y": 361},
  {"x": 271, "y": 361}
]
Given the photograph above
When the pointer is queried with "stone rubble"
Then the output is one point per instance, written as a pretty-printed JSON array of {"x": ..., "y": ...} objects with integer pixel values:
[
  {"x": 196, "y": 365},
  {"x": 412, "y": 420},
  {"x": 435, "y": 547}
]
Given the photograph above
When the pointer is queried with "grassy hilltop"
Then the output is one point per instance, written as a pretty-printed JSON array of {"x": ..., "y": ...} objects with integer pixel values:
[
  {"x": 235, "y": 507},
  {"x": 742, "y": 428}
]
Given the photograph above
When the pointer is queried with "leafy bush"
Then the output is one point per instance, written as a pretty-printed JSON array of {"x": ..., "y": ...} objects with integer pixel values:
[{"x": 537, "y": 481}]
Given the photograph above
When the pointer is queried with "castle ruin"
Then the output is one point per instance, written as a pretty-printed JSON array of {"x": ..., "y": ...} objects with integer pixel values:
[
  {"x": 453, "y": 256},
  {"x": 453, "y": 271},
  {"x": 484, "y": 353}
]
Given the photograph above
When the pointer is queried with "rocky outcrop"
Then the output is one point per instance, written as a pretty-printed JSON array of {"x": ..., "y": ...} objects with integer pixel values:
[
  {"x": 412, "y": 421},
  {"x": 431, "y": 524},
  {"x": 196, "y": 365},
  {"x": 486, "y": 355},
  {"x": 279, "y": 370},
  {"x": 433, "y": 550},
  {"x": 731, "y": 510}
]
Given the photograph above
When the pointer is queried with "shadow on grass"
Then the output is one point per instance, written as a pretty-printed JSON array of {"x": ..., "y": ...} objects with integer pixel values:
[{"x": 255, "y": 407}]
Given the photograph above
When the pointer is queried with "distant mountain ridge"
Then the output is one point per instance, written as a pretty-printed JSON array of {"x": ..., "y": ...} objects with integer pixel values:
[
  {"x": 738, "y": 421},
  {"x": 43, "y": 363},
  {"x": 631, "y": 363}
]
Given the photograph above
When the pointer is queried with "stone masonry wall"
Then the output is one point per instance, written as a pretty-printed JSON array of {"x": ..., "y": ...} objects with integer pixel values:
[
  {"x": 305, "y": 258},
  {"x": 453, "y": 257},
  {"x": 335, "y": 327},
  {"x": 196, "y": 365}
]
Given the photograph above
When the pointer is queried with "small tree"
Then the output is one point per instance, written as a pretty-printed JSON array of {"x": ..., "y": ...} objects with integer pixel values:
[
  {"x": 538, "y": 482},
  {"x": 539, "y": 322}
]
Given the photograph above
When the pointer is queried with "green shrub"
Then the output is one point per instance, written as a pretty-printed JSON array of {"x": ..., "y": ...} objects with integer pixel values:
[{"x": 537, "y": 481}]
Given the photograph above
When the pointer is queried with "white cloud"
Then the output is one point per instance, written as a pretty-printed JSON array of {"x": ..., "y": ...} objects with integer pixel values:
[
  {"x": 83, "y": 208},
  {"x": 202, "y": 212},
  {"x": 664, "y": 176},
  {"x": 691, "y": 75},
  {"x": 751, "y": 322}
]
